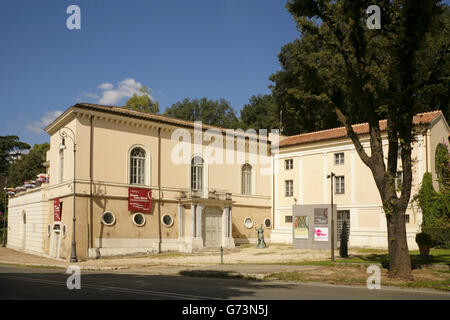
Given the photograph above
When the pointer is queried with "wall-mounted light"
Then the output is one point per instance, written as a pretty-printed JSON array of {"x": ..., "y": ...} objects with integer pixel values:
[{"x": 62, "y": 146}]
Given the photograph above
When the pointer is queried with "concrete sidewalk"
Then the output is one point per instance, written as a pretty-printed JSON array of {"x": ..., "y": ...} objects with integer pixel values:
[{"x": 13, "y": 257}]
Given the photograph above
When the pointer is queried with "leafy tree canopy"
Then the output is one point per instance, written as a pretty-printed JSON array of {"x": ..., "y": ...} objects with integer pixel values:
[
  {"x": 261, "y": 113},
  {"x": 29, "y": 166},
  {"x": 360, "y": 74},
  {"x": 142, "y": 102},
  {"x": 337, "y": 55},
  {"x": 212, "y": 112},
  {"x": 10, "y": 149}
]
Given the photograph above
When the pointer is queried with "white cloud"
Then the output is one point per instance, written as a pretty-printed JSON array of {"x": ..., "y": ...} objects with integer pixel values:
[
  {"x": 91, "y": 95},
  {"x": 112, "y": 95},
  {"x": 105, "y": 86},
  {"x": 38, "y": 126},
  {"x": 124, "y": 89}
]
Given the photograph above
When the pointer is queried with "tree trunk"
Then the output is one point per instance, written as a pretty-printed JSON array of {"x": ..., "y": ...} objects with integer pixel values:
[{"x": 399, "y": 259}]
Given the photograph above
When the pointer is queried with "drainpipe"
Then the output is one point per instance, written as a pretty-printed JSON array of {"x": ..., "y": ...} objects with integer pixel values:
[
  {"x": 159, "y": 190},
  {"x": 273, "y": 193},
  {"x": 91, "y": 206},
  {"x": 427, "y": 148}
]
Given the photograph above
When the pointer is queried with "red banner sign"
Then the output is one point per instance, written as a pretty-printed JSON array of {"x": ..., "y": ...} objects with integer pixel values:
[
  {"x": 57, "y": 210},
  {"x": 140, "y": 199}
]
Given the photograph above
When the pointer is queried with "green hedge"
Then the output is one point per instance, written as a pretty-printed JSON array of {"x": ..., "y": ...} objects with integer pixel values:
[{"x": 440, "y": 236}]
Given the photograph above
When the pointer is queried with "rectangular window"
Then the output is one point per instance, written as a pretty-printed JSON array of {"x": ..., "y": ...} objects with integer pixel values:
[
  {"x": 339, "y": 185},
  {"x": 339, "y": 158},
  {"x": 196, "y": 177},
  {"x": 289, "y": 188},
  {"x": 407, "y": 218},
  {"x": 288, "y": 164},
  {"x": 288, "y": 219}
]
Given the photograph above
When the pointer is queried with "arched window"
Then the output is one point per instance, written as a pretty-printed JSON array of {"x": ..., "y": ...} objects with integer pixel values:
[
  {"x": 197, "y": 173},
  {"x": 137, "y": 166},
  {"x": 246, "y": 179}
]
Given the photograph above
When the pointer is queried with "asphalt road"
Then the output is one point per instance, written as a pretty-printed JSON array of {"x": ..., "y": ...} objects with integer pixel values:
[{"x": 37, "y": 283}]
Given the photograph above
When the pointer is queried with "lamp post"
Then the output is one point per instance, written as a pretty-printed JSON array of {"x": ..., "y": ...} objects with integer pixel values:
[
  {"x": 4, "y": 214},
  {"x": 331, "y": 176},
  {"x": 64, "y": 135}
]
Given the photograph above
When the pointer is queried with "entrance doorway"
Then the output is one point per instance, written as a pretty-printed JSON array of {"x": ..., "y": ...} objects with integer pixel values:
[
  {"x": 342, "y": 215},
  {"x": 55, "y": 243},
  {"x": 212, "y": 226}
]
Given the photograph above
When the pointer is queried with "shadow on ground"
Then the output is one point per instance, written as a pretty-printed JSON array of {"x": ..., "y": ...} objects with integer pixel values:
[
  {"x": 417, "y": 261},
  {"x": 98, "y": 286}
]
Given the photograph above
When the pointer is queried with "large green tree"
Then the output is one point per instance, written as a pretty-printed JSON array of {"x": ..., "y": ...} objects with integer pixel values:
[
  {"x": 262, "y": 112},
  {"x": 142, "y": 102},
  {"x": 358, "y": 74},
  {"x": 29, "y": 166},
  {"x": 11, "y": 149},
  {"x": 311, "y": 70},
  {"x": 211, "y": 112}
]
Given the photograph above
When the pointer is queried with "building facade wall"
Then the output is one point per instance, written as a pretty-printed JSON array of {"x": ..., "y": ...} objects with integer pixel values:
[
  {"x": 313, "y": 161},
  {"x": 27, "y": 222},
  {"x": 103, "y": 145}
]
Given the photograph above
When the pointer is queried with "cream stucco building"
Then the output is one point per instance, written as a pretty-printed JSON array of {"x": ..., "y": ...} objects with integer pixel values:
[
  {"x": 196, "y": 201},
  {"x": 209, "y": 188},
  {"x": 305, "y": 160}
]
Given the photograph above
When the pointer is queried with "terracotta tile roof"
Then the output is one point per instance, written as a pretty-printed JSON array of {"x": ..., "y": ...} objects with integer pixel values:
[{"x": 363, "y": 128}]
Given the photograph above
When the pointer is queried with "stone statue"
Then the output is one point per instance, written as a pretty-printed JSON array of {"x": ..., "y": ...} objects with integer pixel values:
[{"x": 261, "y": 242}]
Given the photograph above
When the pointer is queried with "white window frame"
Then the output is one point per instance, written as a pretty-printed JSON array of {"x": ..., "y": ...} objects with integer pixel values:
[
  {"x": 288, "y": 164},
  {"x": 248, "y": 226},
  {"x": 247, "y": 179},
  {"x": 147, "y": 165},
  {"x": 167, "y": 225},
  {"x": 198, "y": 184},
  {"x": 108, "y": 224},
  {"x": 289, "y": 188},
  {"x": 265, "y": 223},
  {"x": 339, "y": 185},
  {"x": 135, "y": 223},
  {"x": 339, "y": 158}
]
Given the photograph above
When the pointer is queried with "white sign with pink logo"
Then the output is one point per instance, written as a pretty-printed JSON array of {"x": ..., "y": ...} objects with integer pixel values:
[{"x": 321, "y": 234}]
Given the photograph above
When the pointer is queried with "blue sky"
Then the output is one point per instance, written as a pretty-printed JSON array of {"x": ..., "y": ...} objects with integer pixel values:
[{"x": 197, "y": 48}]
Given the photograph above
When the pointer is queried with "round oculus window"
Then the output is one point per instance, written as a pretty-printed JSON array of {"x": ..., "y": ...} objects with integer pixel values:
[
  {"x": 139, "y": 219},
  {"x": 167, "y": 220},
  {"x": 108, "y": 218},
  {"x": 248, "y": 223},
  {"x": 267, "y": 223}
]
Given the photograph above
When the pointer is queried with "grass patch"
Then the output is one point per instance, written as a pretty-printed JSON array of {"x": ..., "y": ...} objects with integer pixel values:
[
  {"x": 356, "y": 275},
  {"x": 369, "y": 250},
  {"x": 437, "y": 256}
]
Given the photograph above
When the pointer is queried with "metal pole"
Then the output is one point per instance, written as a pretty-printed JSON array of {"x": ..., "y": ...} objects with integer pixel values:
[
  {"x": 73, "y": 256},
  {"x": 332, "y": 219},
  {"x": 4, "y": 214}
]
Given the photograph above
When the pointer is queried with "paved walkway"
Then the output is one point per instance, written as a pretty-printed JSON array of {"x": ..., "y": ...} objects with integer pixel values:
[
  {"x": 141, "y": 265},
  {"x": 9, "y": 256}
]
